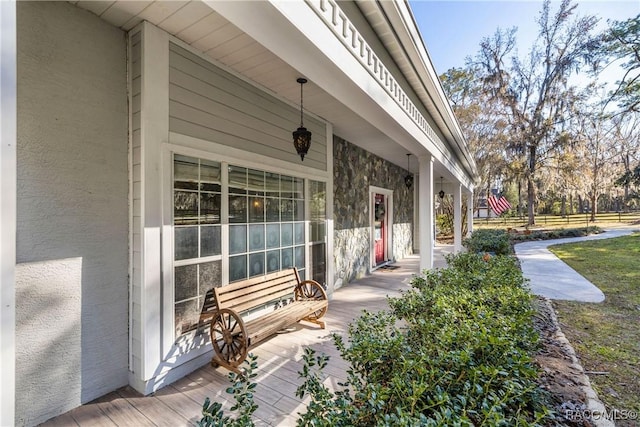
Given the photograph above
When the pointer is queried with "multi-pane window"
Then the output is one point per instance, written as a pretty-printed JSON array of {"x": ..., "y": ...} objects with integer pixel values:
[
  {"x": 266, "y": 223},
  {"x": 263, "y": 217},
  {"x": 318, "y": 231},
  {"x": 197, "y": 197}
]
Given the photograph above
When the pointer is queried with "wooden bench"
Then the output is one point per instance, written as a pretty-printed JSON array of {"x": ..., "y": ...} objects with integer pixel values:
[{"x": 287, "y": 301}]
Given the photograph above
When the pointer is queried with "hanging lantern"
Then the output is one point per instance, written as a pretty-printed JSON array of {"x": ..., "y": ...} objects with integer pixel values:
[
  {"x": 301, "y": 136},
  {"x": 408, "y": 180}
]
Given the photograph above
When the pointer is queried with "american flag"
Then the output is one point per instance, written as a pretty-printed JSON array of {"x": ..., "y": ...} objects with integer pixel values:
[{"x": 498, "y": 204}]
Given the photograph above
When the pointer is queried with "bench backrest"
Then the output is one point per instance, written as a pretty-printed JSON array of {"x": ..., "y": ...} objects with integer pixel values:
[{"x": 257, "y": 291}]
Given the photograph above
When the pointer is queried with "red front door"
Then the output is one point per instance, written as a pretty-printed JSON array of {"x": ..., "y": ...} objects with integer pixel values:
[{"x": 379, "y": 232}]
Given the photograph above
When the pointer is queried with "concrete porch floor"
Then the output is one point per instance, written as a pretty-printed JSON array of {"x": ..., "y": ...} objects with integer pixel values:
[{"x": 279, "y": 360}]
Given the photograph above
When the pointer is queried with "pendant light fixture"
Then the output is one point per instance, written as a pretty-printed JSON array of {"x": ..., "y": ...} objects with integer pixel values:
[
  {"x": 301, "y": 136},
  {"x": 441, "y": 193},
  {"x": 408, "y": 180}
]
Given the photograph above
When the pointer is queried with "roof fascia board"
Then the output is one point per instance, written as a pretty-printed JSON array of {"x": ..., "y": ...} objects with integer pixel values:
[{"x": 402, "y": 21}]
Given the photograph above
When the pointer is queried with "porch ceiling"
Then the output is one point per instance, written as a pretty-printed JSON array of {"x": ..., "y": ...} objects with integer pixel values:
[{"x": 197, "y": 24}]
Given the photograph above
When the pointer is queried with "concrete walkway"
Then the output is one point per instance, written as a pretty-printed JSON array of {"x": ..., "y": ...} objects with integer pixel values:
[{"x": 552, "y": 278}]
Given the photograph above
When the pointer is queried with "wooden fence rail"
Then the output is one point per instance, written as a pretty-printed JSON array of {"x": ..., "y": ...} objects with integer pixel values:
[{"x": 578, "y": 220}]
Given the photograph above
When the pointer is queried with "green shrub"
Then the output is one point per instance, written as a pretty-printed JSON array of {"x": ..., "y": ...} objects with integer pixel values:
[
  {"x": 242, "y": 391},
  {"x": 488, "y": 240},
  {"x": 455, "y": 350},
  {"x": 444, "y": 224},
  {"x": 554, "y": 234}
]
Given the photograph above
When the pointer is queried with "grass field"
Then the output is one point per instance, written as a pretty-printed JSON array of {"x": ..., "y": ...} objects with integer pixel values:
[{"x": 606, "y": 336}]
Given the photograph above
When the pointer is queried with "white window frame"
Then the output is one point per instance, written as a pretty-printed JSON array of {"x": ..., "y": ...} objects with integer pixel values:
[{"x": 189, "y": 346}]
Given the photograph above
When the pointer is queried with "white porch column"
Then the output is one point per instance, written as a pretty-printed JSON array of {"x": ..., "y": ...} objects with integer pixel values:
[
  {"x": 469, "y": 213},
  {"x": 147, "y": 343},
  {"x": 425, "y": 211},
  {"x": 457, "y": 218},
  {"x": 8, "y": 171}
]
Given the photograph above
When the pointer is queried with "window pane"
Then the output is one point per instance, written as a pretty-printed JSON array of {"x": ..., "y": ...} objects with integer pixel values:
[
  {"x": 299, "y": 256},
  {"x": 256, "y": 264},
  {"x": 273, "y": 236},
  {"x": 287, "y": 258},
  {"x": 298, "y": 214},
  {"x": 237, "y": 209},
  {"x": 256, "y": 209},
  {"x": 317, "y": 231},
  {"x": 185, "y": 207},
  {"x": 256, "y": 237},
  {"x": 185, "y": 172},
  {"x": 187, "y": 314},
  {"x": 210, "y": 241},
  {"x": 272, "y": 184},
  {"x": 186, "y": 242},
  {"x": 273, "y": 210},
  {"x": 318, "y": 263},
  {"x": 237, "y": 180},
  {"x": 317, "y": 255},
  {"x": 210, "y": 276},
  {"x": 286, "y": 186},
  {"x": 237, "y": 239},
  {"x": 287, "y": 208},
  {"x": 298, "y": 188},
  {"x": 210, "y": 208},
  {"x": 237, "y": 268},
  {"x": 186, "y": 282},
  {"x": 286, "y": 234},
  {"x": 298, "y": 231},
  {"x": 256, "y": 182},
  {"x": 318, "y": 200},
  {"x": 273, "y": 261},
  {"x": 210, "y": 175}
]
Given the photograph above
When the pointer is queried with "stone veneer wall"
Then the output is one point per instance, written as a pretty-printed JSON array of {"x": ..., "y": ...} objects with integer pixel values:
[{"x": 354, "y": 170}]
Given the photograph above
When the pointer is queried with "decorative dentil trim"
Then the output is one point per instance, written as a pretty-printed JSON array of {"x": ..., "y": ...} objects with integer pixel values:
[{"x": 346, "y": 32}]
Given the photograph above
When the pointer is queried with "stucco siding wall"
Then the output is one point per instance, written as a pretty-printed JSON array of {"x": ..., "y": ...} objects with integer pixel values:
[
  {"x": 355, "y": 170},
  {"x": 72, "y": 210}
]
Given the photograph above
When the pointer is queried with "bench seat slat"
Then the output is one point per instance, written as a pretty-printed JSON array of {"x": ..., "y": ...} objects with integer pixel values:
[{"x": 265, "y": 326}]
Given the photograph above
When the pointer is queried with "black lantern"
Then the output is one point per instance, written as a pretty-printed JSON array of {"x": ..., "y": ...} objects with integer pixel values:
[
  {"x": 301, "y": 136},
  {"x": 441, "y": 193},
  {"x": 408, "y": 180}
]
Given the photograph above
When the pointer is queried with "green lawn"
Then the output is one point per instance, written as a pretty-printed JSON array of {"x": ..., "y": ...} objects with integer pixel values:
[{"x": 606, "y": 336}]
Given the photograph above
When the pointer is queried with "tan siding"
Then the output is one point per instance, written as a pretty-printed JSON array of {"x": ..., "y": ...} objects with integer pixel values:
[
  {"x": 135, "y": 120},
  {"x": 208, "y": 103},
  {"x": 135, "y": 102},
  {"x": 136, "y": 137}
]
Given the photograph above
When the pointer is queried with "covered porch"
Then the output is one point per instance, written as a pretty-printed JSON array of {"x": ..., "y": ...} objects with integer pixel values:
[
  {"x": 169, "y": 128},
  {"x": 279, "y": 360}
]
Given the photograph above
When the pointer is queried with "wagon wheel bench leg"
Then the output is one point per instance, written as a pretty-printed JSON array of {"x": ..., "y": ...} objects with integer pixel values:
[
  {"x": 229, "y": 339},
  {"x": 312, "y": 290}
]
